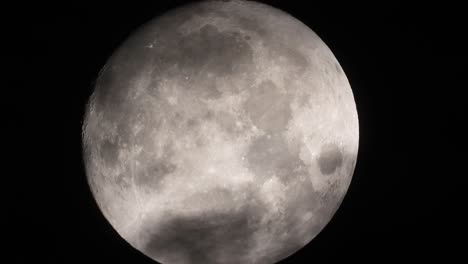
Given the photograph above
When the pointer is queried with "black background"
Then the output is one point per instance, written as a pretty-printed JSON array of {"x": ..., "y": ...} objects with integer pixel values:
[{"x": 406, "y": 65}]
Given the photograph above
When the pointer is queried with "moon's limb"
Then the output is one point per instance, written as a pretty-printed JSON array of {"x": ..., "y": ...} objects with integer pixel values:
[{"x": 221, "y": 132}]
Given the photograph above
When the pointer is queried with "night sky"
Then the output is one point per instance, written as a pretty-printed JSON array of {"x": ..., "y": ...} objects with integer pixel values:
[{"x": 406, "y": 66}]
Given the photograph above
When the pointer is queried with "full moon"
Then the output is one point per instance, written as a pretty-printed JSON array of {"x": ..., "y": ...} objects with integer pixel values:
[{"x": 220, "y": 132}]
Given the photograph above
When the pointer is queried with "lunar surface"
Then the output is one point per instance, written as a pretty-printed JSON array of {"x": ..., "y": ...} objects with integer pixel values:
[{"x": 221, "y": 132}]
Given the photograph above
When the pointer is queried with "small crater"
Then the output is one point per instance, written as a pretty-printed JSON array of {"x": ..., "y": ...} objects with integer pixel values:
[{"x": 330, "y": 159}]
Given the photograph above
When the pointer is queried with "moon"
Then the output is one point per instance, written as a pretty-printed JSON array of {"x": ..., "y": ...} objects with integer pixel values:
[{"x": 220, "y": 132}]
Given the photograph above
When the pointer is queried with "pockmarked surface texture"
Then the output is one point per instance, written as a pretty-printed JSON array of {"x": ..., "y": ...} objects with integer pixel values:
[{"x": 221, "y": 132}]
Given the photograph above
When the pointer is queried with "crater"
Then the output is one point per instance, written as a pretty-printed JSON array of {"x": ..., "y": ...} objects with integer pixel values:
[{"x": 330, "y": 159}]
